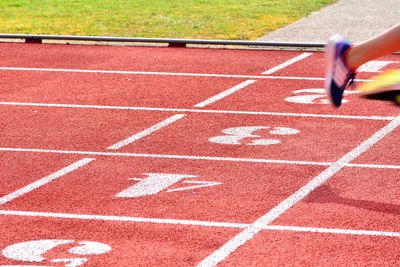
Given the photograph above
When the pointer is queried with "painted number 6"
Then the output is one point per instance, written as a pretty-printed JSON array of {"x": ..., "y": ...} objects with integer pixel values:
[{"x": 33, "y": 251}]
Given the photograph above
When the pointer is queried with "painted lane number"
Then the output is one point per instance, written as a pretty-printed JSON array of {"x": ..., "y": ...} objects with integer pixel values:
[
  {"x": 237, "y": 135},
  {"x": 313, "y": 96},
  {"x": 155, "y": 183},
  {"x": 33, "y": 251}
]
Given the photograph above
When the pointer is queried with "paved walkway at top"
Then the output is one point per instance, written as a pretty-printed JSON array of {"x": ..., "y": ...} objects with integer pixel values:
[{"x": 356, "y": 20}]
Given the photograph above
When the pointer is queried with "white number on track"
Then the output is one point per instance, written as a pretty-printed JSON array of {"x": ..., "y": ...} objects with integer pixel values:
[
  {"x": 309, "y": 96},
  {"x": 154, "y": 183},
  {"x": 375, "y": 65},
  {"x": 313, "y": 96},
  {"x": 236, "y": 135},
  {"x": 33, "y": 251}
]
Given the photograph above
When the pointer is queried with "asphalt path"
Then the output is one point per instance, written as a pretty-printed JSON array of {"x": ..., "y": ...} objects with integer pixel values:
[{"x": 356, "y": 20}]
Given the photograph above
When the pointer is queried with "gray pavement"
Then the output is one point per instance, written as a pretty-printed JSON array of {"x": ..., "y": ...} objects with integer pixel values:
[{"x": 356, "y": 20}]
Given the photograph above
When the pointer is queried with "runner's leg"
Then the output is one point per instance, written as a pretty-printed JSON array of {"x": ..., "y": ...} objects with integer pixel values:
[{"x": 380, "y": 45}]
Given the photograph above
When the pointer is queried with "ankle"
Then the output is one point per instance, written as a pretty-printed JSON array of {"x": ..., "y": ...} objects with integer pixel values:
[{"x": 350, "y": 59}]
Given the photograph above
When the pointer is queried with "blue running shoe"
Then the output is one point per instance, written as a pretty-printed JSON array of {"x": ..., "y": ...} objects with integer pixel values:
[{"x": 338, "y": 74}]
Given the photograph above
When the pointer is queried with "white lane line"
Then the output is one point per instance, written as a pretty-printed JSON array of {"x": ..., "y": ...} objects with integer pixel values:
[
  {"x": 202, "y": 111},
  {"x": 162, "y": 156},
  {"x": 373, "y": 166},
  {"x": 287, "y": 63},
  {"x": 248, "y": 233},
  {"x": 146, "y": 132},
  {"x": 224, "y": 93},
  {"x": 195, "y": 223},
  {"x": 45, "y": 180},
  {"x": 187, "y": 157},
  {"x": 331, "y": 231},
  {"x": 122, "y": 219},
  {"x": 167, "y": 74}
]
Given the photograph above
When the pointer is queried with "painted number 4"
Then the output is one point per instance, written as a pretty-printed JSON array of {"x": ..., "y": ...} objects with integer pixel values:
[{"x": 246, "y": 135}]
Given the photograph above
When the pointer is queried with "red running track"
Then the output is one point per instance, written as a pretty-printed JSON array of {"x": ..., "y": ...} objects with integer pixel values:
[{"x": 128, "y": 156}]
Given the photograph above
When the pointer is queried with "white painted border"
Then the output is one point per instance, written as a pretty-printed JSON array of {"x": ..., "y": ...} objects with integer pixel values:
[{"x": 248, "y": 233}]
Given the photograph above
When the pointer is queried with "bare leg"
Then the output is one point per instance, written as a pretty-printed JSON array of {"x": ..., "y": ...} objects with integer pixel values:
[{"x": 386, "y": 43}]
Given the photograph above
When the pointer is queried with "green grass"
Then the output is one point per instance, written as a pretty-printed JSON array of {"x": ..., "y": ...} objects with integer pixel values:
[{"x": 205, "y": 19}]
